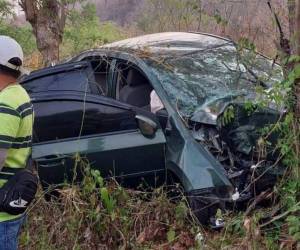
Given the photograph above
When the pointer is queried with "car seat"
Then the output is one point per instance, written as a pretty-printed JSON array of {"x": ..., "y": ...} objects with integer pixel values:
[
  {"x": 101, "y": 81},
  {"x": 137, "y": 91}
]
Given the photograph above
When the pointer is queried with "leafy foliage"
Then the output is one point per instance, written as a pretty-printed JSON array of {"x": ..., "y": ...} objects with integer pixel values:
[
  {"x": 98, "y": 214},
  {"x": 22, "y": 34},
  {"x": 227, "y": 116},
  {"x": 280, "y": 97},
  {"x": 103, "y": 215},
  {"x": 166, "y": 15},
  {"x": 5, "y": 9},
  {"x": 84, "y": 31}
]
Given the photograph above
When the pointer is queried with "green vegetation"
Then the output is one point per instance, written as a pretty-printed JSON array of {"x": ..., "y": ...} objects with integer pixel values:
[
  {"x": 166, "y": 15},
  {"x": 5, "y": 9},
  {"x": 22, "y": 34},
  {"x": 83, "y": 31},
  {"x": 280, "y": 221},
  {"x": 99, "y": 215},
  {"x": 103, "y": 215}
]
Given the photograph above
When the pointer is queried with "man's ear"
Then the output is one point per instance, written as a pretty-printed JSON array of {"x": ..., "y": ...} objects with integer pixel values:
[{"x": 9, "y": 72}]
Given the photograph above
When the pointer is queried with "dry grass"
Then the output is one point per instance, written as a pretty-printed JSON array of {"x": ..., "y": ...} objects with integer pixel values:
[{"x": 81, "y": 219}]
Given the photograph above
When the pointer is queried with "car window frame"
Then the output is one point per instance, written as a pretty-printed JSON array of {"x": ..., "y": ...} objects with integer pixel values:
[
  {"x": 91, "y": 98},
  {"x": 115, "y": 54},
  {"x": 71, "y": 95},
  {"x": 116, "y": 74},
  {"x": 88, "y": 55}
]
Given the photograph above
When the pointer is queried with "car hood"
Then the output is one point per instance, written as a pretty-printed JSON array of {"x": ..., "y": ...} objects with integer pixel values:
[{"x": 209, "y": 112}]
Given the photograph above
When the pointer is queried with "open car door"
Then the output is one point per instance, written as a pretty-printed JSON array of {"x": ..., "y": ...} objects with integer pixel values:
[{"x": 103, "y": 133}]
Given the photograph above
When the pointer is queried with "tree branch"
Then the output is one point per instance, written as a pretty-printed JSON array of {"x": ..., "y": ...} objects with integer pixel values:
[{"x": 30, "y": 9}]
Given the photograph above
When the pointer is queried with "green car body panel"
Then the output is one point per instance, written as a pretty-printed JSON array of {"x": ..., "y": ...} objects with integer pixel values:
[
  {"x": 196, "y": 168},
  {"x": 193, "y": 164},
  {"x": 173, "y": 150}
]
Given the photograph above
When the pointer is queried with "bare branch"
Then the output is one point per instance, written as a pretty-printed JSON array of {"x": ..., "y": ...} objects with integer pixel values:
[{"x": 30, "y": 9}]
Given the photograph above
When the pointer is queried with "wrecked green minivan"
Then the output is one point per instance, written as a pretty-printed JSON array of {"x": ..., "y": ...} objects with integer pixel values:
[{"x": 207, "y": 137}]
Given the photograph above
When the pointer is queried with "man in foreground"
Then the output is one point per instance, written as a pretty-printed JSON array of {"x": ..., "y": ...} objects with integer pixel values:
[{"x": 16, "y": 121}]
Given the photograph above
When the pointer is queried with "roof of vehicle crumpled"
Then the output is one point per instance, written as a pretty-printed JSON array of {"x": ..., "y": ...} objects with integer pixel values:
[
  {"x": 203, "y": 62},
  {"x": 169, "y": 41}
]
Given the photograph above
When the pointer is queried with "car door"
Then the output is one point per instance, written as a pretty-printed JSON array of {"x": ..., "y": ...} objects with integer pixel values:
[{"x": 98, "y": 132}]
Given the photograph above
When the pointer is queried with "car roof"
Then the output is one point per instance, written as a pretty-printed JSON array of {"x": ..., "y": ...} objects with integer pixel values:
[
  {"x": 173, "y": 38},
  {"x": 165, "y": 43}
]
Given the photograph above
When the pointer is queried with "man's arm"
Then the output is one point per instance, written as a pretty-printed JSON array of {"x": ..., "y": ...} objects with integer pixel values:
[
  {"x": 155, "y": 102},
  {"x": 3, "y": 155},
  {"x": 9, "y": 127}
]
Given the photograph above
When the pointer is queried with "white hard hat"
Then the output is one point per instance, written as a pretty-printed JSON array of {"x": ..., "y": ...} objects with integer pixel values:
[{"x": 10, "y": 49}]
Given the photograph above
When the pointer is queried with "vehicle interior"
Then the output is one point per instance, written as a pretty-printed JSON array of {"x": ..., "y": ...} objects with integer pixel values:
[
  {"x": 134, "y": 88},
  {"x": 101, "y": 67}
]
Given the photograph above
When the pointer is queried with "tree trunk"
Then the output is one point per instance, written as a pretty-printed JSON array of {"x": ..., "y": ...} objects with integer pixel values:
[
  {"x": 47, "y": 39},
  {"x": 297, "y": 27},
  {"x": 296, "y": 49},
  {"x": 47, "y": 18},
  {"x": 291, "y": 9}
]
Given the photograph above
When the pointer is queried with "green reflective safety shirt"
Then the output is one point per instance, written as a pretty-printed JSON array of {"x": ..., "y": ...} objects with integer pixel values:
[{"x": 16, "y": 121}]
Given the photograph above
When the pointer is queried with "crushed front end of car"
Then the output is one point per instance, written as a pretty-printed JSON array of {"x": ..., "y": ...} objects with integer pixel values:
[
  {"x": 244, "y": 141},
  {"x": 235, "y": 158},
  {"x": 212, "y": 85}
]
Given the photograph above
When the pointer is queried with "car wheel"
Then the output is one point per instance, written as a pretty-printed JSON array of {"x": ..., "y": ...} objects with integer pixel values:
[
  {"x": 174, "y": 187},
  {"x": 205, "y": 207}
]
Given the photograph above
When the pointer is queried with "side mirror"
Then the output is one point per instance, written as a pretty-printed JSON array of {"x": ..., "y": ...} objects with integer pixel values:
[{"x": 147, "y": 126}]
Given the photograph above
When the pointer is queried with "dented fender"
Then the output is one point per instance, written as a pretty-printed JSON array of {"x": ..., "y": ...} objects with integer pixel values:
[{"x": 193, "y": 164}]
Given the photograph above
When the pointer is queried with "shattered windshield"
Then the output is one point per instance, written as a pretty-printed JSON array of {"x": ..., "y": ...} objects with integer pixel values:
[{"x": 203, "y": 80}]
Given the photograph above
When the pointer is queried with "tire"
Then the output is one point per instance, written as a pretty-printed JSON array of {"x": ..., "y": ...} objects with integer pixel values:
[{"x": 204, "y": 207}]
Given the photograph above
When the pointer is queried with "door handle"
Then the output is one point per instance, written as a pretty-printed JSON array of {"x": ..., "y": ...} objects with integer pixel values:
[
  {"x": 51, "y": 165},
  {"x": 51, "y": 161},
  {"x": 52, "y": 158}
]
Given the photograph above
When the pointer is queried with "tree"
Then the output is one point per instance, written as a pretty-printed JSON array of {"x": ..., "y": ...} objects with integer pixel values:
[
  {"x": 296, "y": 49},
  {"x": 47, "y": 18},
  {"x": 172, "y": 15},
  {"x": 294, "y": 44},
  {"x": 289, "y": 51},
  {"x": 84, "y": 30},
  {"x": 21, "y": 34},
  {"x": 5, "y": 9}
]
